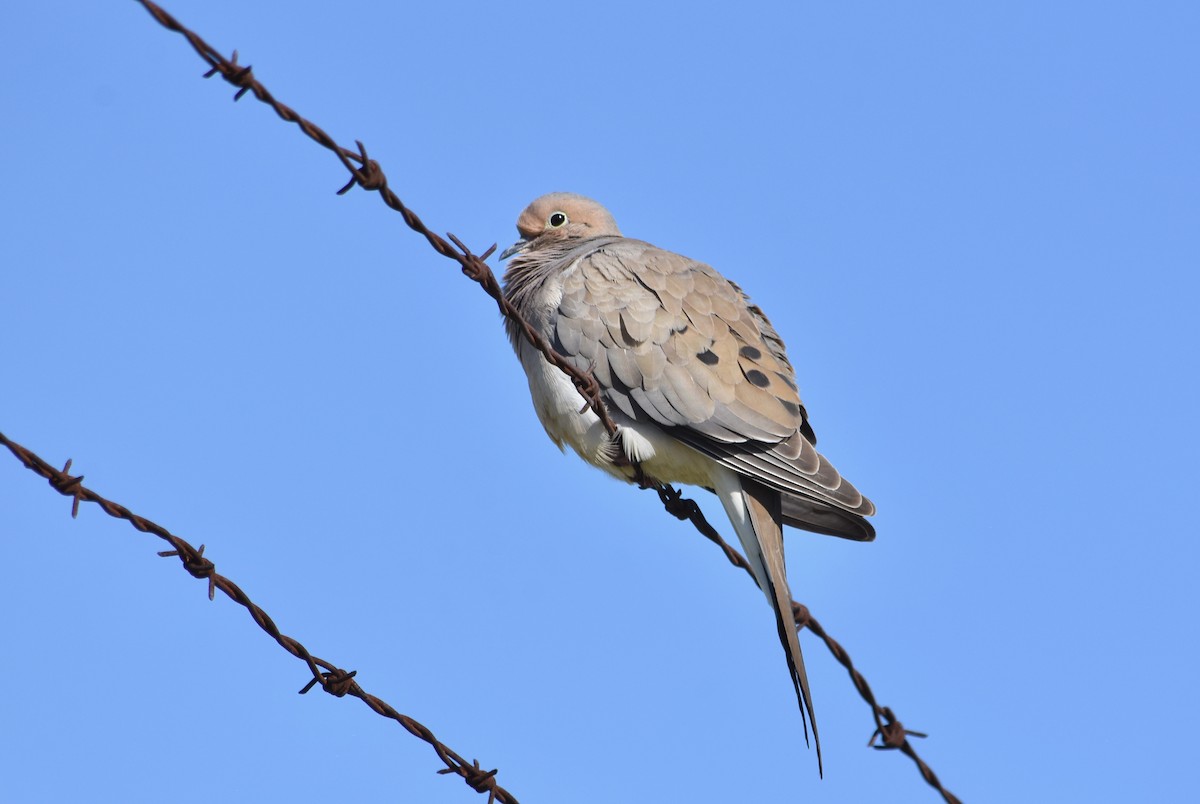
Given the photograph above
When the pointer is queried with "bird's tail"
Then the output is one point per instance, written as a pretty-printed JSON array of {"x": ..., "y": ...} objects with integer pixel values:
[{"x": 757, "y": 516}]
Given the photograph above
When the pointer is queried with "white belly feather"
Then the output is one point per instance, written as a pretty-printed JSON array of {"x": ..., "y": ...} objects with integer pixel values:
[{"x": 558, "y": 408}]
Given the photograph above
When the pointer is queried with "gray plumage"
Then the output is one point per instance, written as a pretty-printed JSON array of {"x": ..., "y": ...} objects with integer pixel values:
[{"x": 694, "y": 375}]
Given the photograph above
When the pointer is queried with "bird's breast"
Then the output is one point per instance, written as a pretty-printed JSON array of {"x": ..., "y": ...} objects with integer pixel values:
[{"x": 558, "y": 405}]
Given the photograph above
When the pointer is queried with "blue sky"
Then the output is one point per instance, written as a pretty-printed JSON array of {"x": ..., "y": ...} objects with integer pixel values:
[{"x": 975, "y": 227}]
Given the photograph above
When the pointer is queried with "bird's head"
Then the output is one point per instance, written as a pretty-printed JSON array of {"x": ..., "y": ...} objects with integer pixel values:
[{"x": 557, "y": 218}]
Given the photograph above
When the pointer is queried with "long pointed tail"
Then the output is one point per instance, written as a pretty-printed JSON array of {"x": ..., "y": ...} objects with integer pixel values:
[{"x": 760, "y": 530}]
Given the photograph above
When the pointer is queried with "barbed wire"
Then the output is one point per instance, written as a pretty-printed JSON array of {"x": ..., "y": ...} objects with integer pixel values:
[
  {"x": 333, "y": 679},
  {"x": 367, "y": 173},
  {"x": 888, "y": 728}
]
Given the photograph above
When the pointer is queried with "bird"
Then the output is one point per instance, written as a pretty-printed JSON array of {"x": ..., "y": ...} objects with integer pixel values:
[{"x": 696, "y": 379}]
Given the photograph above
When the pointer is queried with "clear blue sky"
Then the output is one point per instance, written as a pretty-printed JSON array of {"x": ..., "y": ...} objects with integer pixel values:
[{"x": 975, "y": 226}]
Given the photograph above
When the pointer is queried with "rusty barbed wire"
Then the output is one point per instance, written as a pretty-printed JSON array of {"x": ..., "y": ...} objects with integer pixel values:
[
  {"x": 333, "y": 679},
  {"x": 888, "y": 728},
  {"x": 368, "y": 174}
]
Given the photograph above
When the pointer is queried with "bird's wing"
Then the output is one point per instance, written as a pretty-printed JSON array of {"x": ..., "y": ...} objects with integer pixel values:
[{"x": 675, "y": 343}]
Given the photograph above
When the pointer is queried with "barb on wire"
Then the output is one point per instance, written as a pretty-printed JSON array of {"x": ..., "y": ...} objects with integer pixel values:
[
  {"x": 332, "y": 678},
  {"x": 367, "y": 173}
]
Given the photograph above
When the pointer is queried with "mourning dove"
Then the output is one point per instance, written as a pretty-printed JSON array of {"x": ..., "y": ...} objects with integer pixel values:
[{"x": 695, "y": 378}]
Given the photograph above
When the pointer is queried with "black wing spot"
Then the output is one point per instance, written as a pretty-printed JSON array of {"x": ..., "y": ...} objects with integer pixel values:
[
  {"x": 708, "y": 357},
  {"x": 758, "y": 378},
  {"x": 750, "y": 352}
]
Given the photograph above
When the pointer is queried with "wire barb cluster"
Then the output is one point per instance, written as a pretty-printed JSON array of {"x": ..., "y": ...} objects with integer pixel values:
[{"x": 367, "y": 173}]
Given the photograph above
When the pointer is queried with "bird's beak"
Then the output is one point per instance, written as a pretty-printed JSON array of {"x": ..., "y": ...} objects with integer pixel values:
[{"x": 514, "y": 248}]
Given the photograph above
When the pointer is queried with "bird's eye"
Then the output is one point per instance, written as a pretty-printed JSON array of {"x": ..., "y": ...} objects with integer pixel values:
[{"x": 556, "y": 220}]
